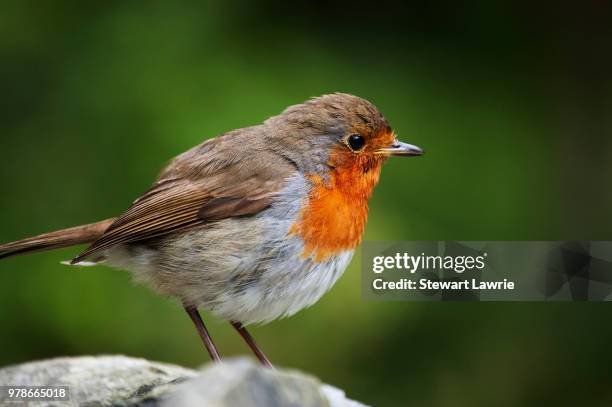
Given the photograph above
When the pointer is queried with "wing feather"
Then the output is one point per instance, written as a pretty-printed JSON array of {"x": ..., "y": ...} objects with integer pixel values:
[{"x": 178, "y": 203}]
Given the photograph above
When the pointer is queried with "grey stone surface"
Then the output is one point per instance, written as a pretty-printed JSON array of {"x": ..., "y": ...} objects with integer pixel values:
[
  {"x": 98, "y": 381},
  {"x": 124, "y": 381}
]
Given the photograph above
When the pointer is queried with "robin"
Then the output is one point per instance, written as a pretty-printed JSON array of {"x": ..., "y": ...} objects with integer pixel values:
[{"x": 253, "y": 225}]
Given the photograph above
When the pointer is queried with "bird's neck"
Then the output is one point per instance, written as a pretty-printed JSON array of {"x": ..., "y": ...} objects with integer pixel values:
[{"x": 334, "y": 217}]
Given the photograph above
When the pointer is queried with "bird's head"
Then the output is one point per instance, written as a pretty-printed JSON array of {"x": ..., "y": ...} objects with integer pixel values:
[{"x": 337, "y": 132}]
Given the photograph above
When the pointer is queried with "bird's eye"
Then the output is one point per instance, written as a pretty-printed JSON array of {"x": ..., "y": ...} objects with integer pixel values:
[{"x": 356, "y": 142}]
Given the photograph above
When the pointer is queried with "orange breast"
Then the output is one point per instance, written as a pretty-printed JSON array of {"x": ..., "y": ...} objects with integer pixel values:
[{"x": 334, "y": 218}]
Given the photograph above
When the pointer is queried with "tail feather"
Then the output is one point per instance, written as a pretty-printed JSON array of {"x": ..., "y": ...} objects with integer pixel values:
[{"x": 55, "y": 240}]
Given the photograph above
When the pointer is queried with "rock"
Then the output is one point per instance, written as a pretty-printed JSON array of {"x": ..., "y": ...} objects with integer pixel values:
[
  {"x": 241, "y": 382},
  {"x": 99, "y": 381},
  {"x": 124, "y": 381}
]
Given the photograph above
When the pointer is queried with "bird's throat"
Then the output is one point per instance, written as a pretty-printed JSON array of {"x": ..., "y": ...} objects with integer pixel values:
[{"x": 334, "y": 218}]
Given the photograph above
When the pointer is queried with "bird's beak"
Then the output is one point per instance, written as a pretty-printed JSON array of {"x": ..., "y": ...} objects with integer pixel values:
[{"x": 401, "y": 149}]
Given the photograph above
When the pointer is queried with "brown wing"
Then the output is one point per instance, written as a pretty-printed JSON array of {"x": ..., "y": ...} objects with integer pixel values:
[{"x": 210, "y": 192}]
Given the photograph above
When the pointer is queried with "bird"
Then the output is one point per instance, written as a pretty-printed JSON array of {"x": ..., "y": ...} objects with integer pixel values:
[{"x": 253, "y": 225}]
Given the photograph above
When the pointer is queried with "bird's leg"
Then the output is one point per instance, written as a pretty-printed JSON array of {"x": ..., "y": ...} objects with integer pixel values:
[
  {"x": 199, "y": 324},
  {"x": 251, "y": 342}
]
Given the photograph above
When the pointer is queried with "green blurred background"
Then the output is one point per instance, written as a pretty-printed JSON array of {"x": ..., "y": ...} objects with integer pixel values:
[{"x": 512, "y": 102}]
